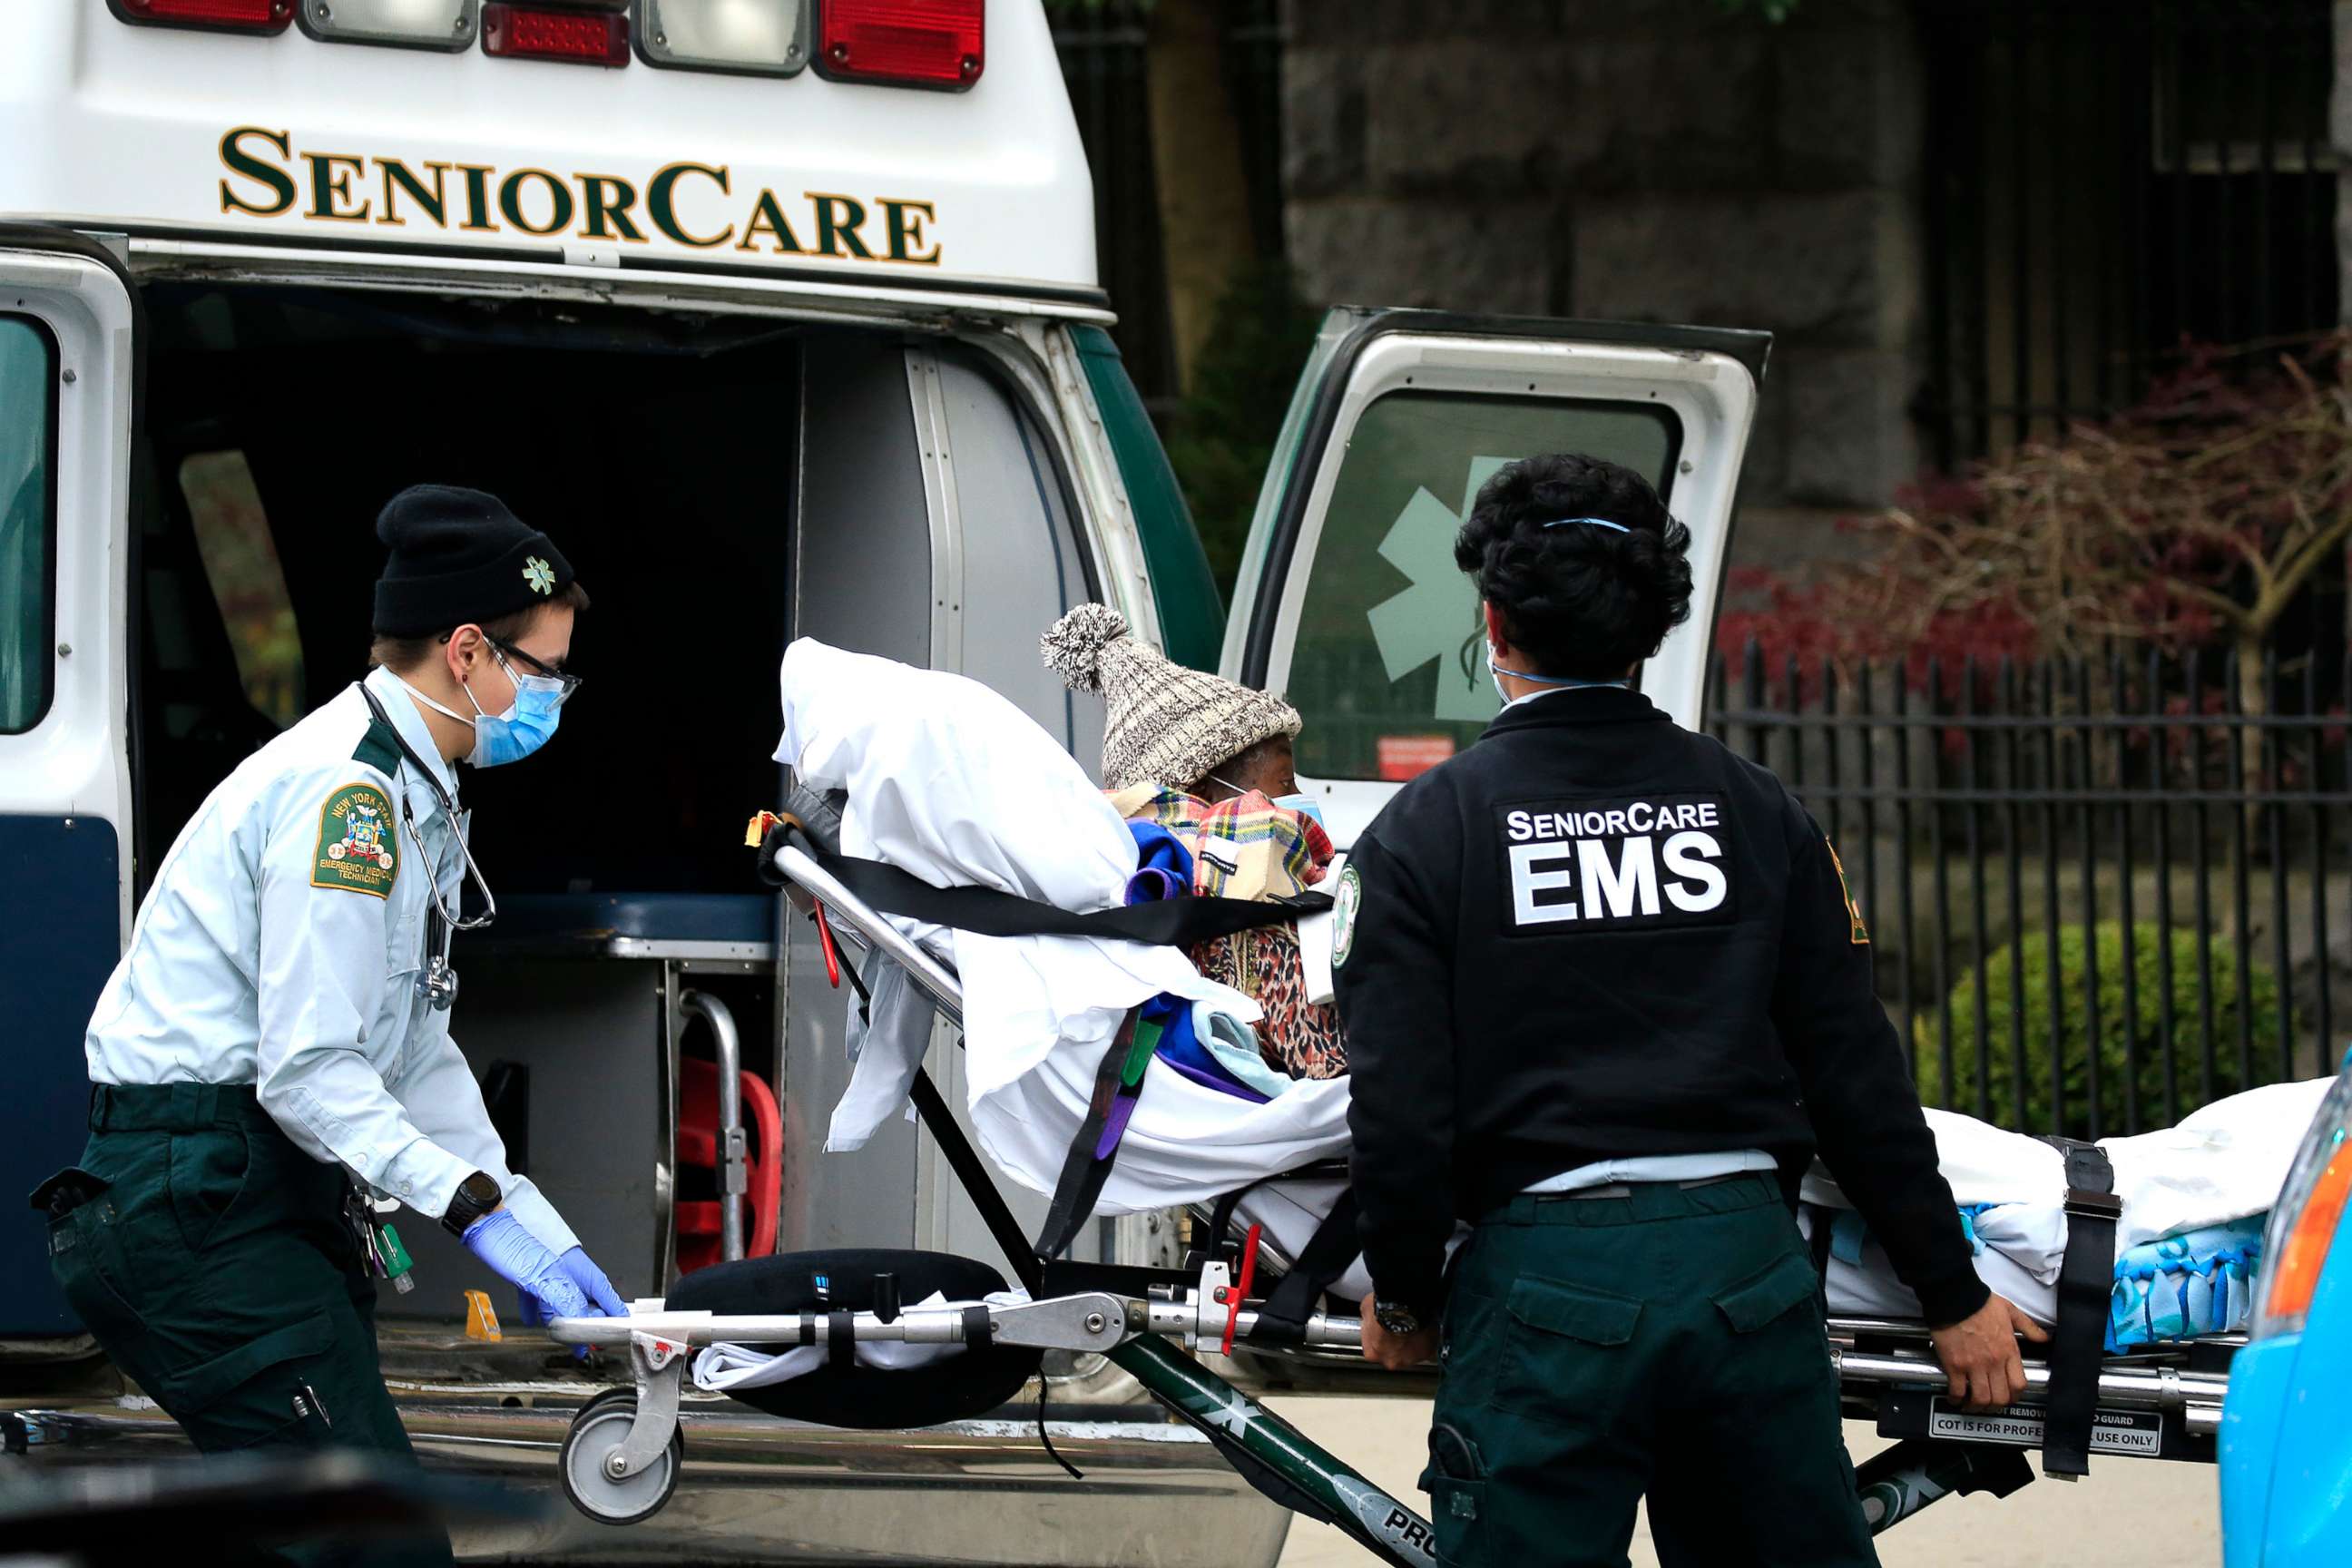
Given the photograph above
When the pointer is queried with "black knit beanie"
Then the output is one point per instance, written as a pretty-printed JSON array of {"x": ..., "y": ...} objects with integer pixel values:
[{"x": 459, "y": 555}]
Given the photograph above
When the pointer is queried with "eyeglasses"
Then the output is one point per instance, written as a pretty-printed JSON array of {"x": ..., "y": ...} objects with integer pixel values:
[{"x": 505, "y": 649}]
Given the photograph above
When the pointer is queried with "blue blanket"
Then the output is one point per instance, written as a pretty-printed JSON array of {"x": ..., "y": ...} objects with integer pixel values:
[{"x": 2177, "y": 1287}]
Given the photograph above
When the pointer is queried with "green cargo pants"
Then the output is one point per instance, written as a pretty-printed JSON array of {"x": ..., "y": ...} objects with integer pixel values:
[
  {"x": 1654, "y": 1340},
  {"x": 210, "y": 1259}
]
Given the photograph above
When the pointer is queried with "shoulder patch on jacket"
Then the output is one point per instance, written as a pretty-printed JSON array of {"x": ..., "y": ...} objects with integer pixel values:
[
  {"x": 379, "y": 748},
  {"x": 1859, "y": 933},
  {"x": 358, "y": 850},
  {"x": 1345, "y": 902}
]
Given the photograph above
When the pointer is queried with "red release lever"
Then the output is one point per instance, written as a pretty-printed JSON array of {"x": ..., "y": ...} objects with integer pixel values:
[
  {"x": 1242, "y": 1287},
  {"x": 832, "y": 953}
]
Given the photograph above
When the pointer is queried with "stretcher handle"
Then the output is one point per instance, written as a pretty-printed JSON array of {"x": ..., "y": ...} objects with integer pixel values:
[
  {"x": 1090, "y": 1321},
  {"x": 847, "y": 909},
  {"x": 2156, "y": 1388}
]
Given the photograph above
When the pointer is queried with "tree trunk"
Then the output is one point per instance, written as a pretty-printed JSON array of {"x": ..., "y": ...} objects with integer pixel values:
[
  {"x": 2254, "y": 701},
  {"x": 1196, "y": 160}
]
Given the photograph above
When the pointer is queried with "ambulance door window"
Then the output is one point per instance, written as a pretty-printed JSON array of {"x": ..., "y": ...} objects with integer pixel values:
[
  {"x": 28, "y": 433},
  {"x": 1389, "y": 665},
  {"x": 240, "y": 562}
]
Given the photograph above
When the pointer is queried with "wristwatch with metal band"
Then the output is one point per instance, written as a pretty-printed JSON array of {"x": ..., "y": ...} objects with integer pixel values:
[
  {"x": 1397, "y": 1318},
  {"x": 476, "y": 1195}
]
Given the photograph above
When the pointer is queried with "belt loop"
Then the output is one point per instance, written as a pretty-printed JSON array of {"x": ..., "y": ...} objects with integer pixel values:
[
  {"x": 100, "y": 1102},
  {"x": 207, "y": 1103}
]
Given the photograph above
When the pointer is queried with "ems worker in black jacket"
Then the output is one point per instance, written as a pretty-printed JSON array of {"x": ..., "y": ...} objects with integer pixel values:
[{"x": 1606, "y": 993}]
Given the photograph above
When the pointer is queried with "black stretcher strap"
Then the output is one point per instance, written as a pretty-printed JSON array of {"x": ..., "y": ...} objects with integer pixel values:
[
  {"x": 1326, "y": 1256},
  {"x": 978, "y": 1185},
  {"x": 1083, "y": 1173},
  {"x": 1221, "y": 1217},
  {"x": 2086, "y": 1283},
  {"x": 1164, "y": 922}
]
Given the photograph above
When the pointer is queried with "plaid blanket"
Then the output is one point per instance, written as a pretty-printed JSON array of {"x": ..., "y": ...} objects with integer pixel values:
[{"x": 1249, "y": 847}]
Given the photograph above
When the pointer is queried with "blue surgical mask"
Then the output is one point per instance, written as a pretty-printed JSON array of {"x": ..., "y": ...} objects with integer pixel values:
[
  {"x": 524, "y": 727},
  {"x": 1305, "y": 806}
]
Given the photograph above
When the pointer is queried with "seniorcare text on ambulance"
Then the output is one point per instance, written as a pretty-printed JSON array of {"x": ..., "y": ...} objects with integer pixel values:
[{"x": 690, "y": 203}]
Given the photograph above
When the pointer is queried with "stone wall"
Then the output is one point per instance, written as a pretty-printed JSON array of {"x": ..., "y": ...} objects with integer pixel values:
[
  {"x": 1639, "y": 159},
  {"x": 2339, "y": 135}
]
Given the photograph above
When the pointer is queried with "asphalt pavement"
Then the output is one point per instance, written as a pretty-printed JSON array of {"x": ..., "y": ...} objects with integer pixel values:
[{"x": 2126, "y": 1513}]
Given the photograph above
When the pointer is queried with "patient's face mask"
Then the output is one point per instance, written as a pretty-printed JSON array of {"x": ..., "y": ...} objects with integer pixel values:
[{"x": 1304, "y": 805}]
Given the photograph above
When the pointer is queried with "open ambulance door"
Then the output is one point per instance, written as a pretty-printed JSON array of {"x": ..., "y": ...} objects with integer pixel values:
[
  {"x": 1349, "y": 602},
  {"x": 67, "y": 389}
]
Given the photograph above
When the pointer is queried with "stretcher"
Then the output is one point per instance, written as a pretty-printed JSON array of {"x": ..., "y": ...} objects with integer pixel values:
[{"x": 623, "y": 1455}]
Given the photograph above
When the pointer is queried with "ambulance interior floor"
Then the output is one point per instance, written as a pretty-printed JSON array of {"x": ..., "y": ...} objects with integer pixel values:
[{"x": 2102, "y": 1522}]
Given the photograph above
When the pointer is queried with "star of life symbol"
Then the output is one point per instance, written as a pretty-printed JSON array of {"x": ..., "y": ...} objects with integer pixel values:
[
  {"x": 539, "y": 575},
  {"x": 1429, "y": 619}
]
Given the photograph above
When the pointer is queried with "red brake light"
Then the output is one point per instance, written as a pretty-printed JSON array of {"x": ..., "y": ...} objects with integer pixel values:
[
  {"x": 536, "y": 32},
  {"x": 921, "y": 42},
  {"x": 244, "y": 15}
]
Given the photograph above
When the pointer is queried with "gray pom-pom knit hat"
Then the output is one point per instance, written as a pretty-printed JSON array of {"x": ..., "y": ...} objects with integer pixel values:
[{"x": 1168, "y": 725}]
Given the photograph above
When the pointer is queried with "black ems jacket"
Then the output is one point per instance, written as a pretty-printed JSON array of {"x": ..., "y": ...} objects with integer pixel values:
[{"x": 1595, "y": 936}]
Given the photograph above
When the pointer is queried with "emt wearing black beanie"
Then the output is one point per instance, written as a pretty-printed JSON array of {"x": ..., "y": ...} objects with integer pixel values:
[
  {"x": 277, "y": 1030},
  {"x": 459, "y": 555},
  {"x": 1606, "y": 995}
]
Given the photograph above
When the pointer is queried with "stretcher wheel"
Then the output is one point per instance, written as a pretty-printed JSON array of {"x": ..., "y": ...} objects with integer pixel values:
[{"x": 598, "y": 1432}]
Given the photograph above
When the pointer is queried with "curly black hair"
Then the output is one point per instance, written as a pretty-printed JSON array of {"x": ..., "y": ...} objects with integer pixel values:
[{"x": 1581, "y": 602}]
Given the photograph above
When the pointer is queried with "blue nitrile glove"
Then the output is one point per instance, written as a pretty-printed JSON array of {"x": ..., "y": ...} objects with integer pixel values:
[
  {"x": 521, "y": 1258},
  {"x": 576, "y": 1267}
]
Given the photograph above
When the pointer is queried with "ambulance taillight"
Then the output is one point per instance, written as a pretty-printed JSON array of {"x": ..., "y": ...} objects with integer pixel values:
[
  {"x": 769, "y": 37},
  {"x": 908, "y": 43},
  {"x": 225, "y": 16},
  {"x": 580, "y": 35}
]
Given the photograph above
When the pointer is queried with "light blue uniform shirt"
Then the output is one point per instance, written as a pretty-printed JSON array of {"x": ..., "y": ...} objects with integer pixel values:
[
  {"x": 1645, "y": 1167},
  {"x": 261, "y": 957}
]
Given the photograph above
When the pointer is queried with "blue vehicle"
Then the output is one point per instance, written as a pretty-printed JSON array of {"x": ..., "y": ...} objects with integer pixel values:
[{"x": 2286, "y": 1446}]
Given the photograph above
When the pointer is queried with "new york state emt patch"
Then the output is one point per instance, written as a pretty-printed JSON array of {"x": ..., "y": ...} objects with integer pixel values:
[{"x": 357, "y": 850}]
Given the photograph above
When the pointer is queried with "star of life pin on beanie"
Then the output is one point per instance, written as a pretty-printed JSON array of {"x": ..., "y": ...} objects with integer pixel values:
[{"x": 459, "y": 555}]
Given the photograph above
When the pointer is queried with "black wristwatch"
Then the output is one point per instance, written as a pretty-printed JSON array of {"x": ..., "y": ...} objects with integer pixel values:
[
  {"x": 1397, "y": 1318},
  {"x": 476, "y": 1195}
]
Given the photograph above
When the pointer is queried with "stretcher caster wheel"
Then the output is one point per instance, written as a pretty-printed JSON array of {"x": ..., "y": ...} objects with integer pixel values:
[{"x": 598, "y": 1434}]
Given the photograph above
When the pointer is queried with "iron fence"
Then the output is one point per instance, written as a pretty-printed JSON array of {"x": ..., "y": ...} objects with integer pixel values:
[
  {"x": 2103, "y": 893},
  {"x": 2105, "y": 178}
]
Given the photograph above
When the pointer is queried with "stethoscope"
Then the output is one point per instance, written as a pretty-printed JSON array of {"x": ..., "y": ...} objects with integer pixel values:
[{"x": 438, "y": 984}]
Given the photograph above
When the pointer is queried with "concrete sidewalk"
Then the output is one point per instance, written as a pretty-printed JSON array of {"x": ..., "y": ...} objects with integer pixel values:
[{"x": 2125, "y": 1511}]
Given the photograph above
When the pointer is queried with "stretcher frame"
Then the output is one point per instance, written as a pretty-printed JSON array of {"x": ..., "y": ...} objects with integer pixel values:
[{"x": 622, "y": 1457}]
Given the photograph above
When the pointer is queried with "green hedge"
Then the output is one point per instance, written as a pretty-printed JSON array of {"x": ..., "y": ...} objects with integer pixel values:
[{"x": 2148, "y": 939}]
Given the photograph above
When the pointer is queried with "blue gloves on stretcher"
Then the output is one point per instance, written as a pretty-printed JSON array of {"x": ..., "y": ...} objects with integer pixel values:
[{"x": 569, "y": 1286}]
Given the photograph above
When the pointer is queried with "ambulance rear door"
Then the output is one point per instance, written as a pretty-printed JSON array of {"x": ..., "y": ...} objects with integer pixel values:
[
  {"x": 67, "y": 387},
  {"x": 1348, "y": 602}
]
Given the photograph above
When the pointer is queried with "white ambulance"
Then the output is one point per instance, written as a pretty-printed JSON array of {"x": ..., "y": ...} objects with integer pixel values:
[{"x": 783, "y": 315}]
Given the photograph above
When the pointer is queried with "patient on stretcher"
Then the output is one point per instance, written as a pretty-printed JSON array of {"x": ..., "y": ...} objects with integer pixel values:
[{"x": 1210, "y": 763}]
